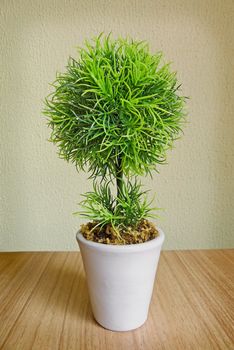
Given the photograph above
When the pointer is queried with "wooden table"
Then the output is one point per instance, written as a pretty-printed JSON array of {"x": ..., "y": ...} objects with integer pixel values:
[{"x": 44, "y": 304}]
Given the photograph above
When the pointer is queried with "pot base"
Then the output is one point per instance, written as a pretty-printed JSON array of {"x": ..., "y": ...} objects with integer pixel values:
[{"x": 121, "y": 328}]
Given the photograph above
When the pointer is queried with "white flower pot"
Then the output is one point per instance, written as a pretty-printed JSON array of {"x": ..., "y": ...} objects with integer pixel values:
[{"x": 120, "y": 280}]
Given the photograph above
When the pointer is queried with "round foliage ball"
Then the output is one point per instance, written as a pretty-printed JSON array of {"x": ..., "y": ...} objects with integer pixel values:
[{"x": 116, "y": 108}]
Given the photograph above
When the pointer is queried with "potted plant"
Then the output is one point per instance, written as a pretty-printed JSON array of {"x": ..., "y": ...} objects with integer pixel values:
[{"x": 115, "y": 112}]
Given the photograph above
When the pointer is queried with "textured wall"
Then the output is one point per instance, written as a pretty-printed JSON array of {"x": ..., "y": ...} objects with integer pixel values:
[{"x": 39, "y": 191}]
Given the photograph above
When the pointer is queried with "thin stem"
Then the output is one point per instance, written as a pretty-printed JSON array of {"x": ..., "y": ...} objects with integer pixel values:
[{"x": 119, "y": 177}]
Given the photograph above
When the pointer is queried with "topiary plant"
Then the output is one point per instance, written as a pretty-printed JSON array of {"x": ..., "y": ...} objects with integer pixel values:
[{"x": 115, "y": 112}]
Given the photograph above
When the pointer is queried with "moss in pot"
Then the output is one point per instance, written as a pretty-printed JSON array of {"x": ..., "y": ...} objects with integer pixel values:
[{"x": 114, "y": 113}]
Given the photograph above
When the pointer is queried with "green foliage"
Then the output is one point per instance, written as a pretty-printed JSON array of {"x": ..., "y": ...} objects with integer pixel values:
[
  {"x": 116, "y": 102},
  {"x": 115, "y": 112},
  {"x": 132, "y": 205},
  {"x": 127, "y": 209}
]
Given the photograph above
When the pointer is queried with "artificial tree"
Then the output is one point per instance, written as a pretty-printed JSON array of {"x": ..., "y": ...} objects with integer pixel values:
[{"x": 115, "y": 112}]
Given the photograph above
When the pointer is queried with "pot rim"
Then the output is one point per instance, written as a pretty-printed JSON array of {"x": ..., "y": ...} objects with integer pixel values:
[{"x": 152, "y": 244}]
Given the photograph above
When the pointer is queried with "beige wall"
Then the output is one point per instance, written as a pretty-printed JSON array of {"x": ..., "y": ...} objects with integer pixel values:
[{"x": 39, "y": 191}]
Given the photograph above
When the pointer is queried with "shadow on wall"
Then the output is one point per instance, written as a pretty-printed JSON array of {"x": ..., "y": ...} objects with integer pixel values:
[{"x": 28, "y": 190}]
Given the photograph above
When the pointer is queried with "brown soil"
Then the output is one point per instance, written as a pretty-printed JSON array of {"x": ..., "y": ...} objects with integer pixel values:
[{"x": 143, "y": 232}]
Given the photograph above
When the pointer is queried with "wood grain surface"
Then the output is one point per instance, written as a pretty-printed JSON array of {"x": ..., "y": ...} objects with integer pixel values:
[{"x": 44, "y": 304}]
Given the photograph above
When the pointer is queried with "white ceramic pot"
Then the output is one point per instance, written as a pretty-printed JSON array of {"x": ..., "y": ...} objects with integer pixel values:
[{"x": 120, "y": 280}]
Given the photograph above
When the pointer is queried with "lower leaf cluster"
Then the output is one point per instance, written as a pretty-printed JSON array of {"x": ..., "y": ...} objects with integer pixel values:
[{"x": 125, "y": 210}]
